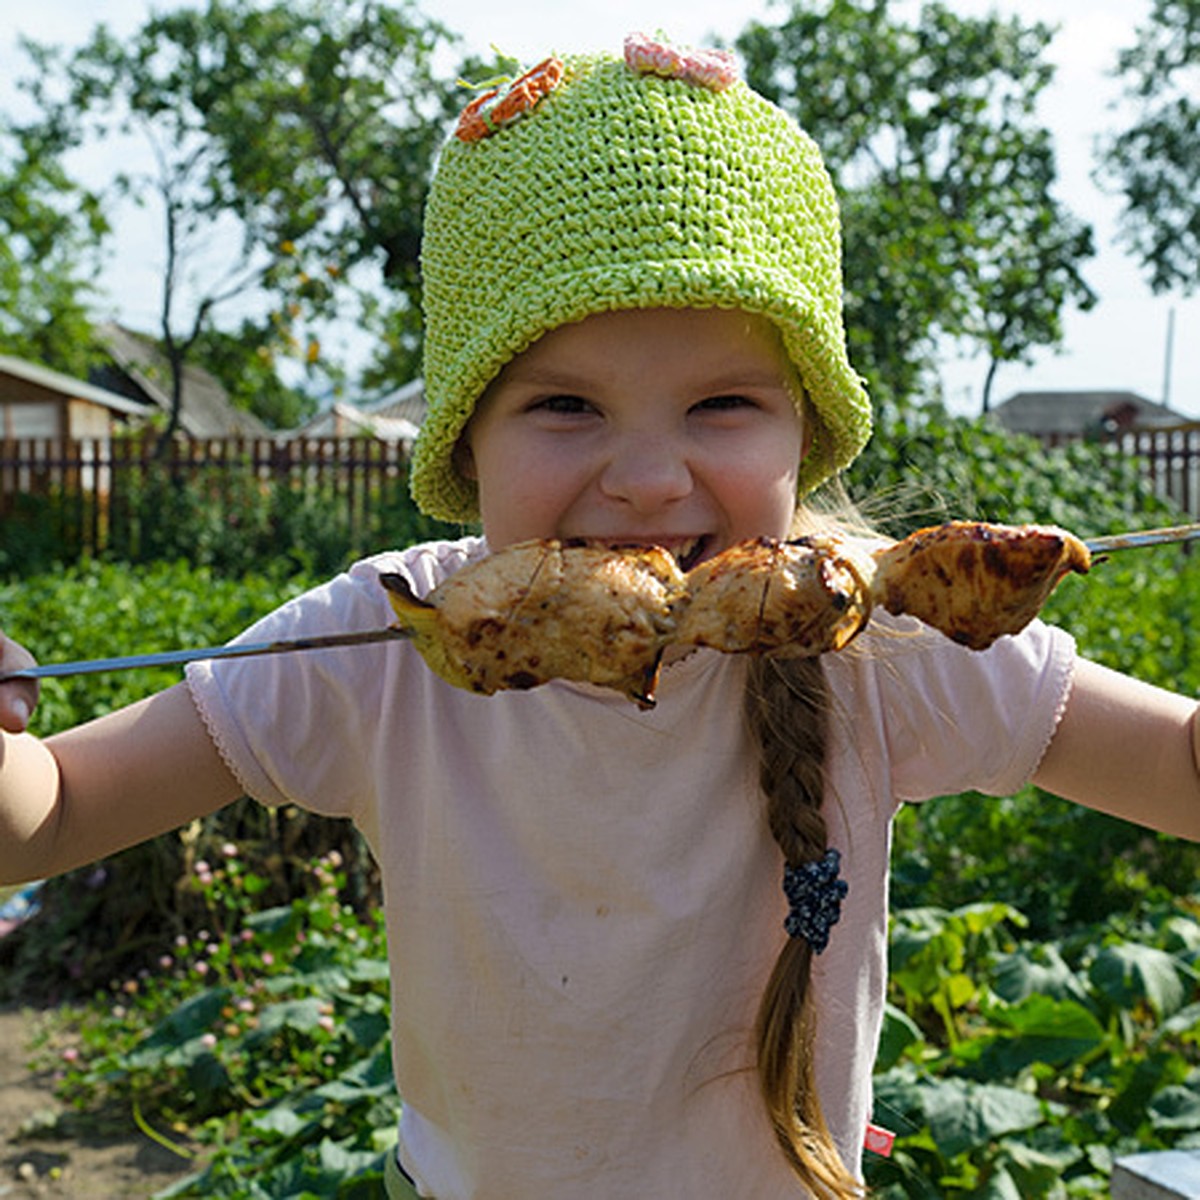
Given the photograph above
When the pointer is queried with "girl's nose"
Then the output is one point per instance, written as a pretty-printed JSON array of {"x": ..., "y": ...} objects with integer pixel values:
[{"x": 647, "y": 473}]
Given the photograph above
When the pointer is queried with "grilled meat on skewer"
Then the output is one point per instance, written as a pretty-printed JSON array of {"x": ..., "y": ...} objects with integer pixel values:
[
  {"x": 542, "y": 610},
  {"x": 793, "y": 599},
  {"x": 973, "y": 581}
]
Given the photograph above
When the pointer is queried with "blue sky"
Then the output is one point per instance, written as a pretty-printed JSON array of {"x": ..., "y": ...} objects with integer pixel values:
[{"x": 1120, "y": 344}]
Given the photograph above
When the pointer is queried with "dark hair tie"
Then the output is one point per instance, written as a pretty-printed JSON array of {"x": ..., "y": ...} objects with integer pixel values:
[{"x": 815, "y": 895}]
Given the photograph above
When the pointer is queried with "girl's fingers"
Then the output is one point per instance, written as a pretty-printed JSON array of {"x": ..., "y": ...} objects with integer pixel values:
[{"x": 19, "y": 697}]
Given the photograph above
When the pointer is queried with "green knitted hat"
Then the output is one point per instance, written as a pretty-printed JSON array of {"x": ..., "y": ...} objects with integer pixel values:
[{"x": 617, "y": 189}]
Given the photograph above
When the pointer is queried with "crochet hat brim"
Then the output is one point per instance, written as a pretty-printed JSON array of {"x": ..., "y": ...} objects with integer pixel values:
[{"x": 832, "y": 387}]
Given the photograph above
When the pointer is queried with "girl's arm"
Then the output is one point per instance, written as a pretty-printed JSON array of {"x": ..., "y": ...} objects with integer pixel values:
[
  {"x": 1127, "y": 748},
  {"x": 103, "y": 786}
]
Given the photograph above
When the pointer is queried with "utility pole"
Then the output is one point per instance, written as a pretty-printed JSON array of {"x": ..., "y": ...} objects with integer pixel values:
[{"x": 1167, "y": 357}]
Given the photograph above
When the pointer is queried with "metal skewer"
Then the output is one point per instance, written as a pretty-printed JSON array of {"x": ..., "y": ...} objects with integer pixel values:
[
  {"x": 168, "y": 658},
  {"x": 1147, "y": 537}
]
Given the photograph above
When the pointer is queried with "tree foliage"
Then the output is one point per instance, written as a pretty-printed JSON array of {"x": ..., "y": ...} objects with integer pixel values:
[
  {"x": 290, "y": 147},
  {"x": 947, "y": 180},
  {"x": 51, "y": 231},
  {"x": 1156, "y": 162}
]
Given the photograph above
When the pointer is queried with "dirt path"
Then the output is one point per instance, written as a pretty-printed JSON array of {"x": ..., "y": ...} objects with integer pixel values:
[{"x": 36, "y": 1160}]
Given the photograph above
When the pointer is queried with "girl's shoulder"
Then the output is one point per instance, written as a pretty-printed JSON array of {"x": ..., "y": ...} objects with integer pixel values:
[{"x": 425, "y": 564}]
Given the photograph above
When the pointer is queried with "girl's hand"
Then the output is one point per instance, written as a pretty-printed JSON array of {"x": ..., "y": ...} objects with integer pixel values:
[{"x": 18, "y": 698}]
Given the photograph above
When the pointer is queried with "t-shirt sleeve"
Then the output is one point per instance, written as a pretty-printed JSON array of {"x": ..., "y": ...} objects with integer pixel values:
[
  {"x": 303, "y": 727},
  {"x": 958, "y": 720}
]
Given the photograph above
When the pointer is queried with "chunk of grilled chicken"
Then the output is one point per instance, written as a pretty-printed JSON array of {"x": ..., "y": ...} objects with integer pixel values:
[
  {"x": 542, "y": 610},
  {"x": 791, "y": 599},
  {"x": 974, "y": 581}
]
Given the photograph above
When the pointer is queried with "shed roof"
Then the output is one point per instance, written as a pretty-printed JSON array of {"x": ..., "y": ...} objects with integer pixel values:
[
  {"x": 205, "y": 411},
  {"x": 1076, "y": 412},
  {"x": 69, "y": 387}
]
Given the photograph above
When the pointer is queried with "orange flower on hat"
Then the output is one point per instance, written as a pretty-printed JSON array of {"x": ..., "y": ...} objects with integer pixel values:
[{"x": 503, "y": 105}]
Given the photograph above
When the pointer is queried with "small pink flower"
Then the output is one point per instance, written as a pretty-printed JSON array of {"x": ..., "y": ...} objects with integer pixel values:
[
  {"x": 70, "y": 1055},
  {"x": 712, "y": 69},
  {"x": 326, "y": 1023},
  {"x": 229, "y": 850},
  {"x": 268, "y": 959},
  {"x": 165, "y": 962},
  {"x": 202, "y": 868},
  {"x": 208, "y": 1040},
  {"x": 201, "y": 968}
]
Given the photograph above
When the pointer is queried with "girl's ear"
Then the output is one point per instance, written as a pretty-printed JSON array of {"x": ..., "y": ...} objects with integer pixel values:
[{"x": 808, "y": 423}]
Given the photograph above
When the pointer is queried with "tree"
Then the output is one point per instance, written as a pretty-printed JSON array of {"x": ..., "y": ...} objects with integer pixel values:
[
  {"x": 951, "y": 226},
  {"x": 290, "y": 150},
  {"x": 51, "y": 231},
  {"x": 1156, "y": 162}
]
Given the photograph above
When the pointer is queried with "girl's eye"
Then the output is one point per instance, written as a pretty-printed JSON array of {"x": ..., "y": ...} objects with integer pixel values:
[
  {"x": 565, "y": 404},
  {"x": 723, "y": 403}
]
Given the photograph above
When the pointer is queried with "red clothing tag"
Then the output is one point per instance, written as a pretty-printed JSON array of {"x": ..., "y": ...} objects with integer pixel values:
[{"x": 879, "y": 1141}]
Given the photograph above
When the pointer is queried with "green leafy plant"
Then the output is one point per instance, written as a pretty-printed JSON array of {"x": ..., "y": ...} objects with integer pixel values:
[
  {"x": 258, "y": 1044},
  {"x": 1014, "y": 1068}
]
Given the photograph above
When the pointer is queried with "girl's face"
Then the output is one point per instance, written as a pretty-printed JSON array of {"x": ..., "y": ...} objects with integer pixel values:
[{"x": 677, "y": 427}]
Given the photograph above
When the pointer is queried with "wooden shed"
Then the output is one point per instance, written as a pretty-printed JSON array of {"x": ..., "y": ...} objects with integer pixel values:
[{"x": 36, "y": 402}]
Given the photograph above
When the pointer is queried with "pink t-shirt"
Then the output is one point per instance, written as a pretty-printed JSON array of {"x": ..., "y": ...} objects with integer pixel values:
[{"x": 583, "y": 901}]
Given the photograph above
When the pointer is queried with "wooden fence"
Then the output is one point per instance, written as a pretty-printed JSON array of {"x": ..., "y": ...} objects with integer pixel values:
[
  {"x": 1171, "y": 458},
  {"x": 93, "y": 487}
]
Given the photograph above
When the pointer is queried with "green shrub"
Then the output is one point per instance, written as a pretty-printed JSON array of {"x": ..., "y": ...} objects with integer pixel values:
[{"x": 923, "y": 466}]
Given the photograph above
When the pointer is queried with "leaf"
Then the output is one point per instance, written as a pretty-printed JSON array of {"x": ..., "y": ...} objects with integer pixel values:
[
  {"x": 344, "y": 1161},
  {"x": 302, "y": 1015},
  {"x": 1176, "y": 1108},
  {"x": 182, "y": 1029},
  {"x": 999, "y": 1185},
  {"x": 1041, "y": 972},
  {"x": 963, "y": 1115},
  {"x": 207, "y": 1075},
  {"x": 899, "y": 1032},
  {"x": 1127, "y": 974},
  {"x": 281, "y": 1119},
  {"x": 1185, "y": 1023},
  {"x": 1039, "y": 1029}
]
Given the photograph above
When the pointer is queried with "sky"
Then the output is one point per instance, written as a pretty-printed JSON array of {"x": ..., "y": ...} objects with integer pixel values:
[{"x": 1121, "y": 344}]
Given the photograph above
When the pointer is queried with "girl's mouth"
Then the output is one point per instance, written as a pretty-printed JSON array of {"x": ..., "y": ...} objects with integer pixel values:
[{"x": 686, "y": 552}]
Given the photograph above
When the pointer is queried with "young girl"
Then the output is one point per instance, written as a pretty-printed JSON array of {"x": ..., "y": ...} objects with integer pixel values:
[{"x": 599, "y": 986}]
